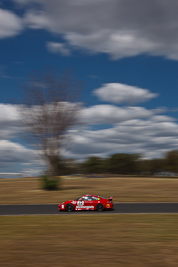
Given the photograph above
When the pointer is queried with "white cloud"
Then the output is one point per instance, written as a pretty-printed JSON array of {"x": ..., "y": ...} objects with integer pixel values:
[
  {"x": 118, "y": 28},
  {"x": 115, "y": 43},
  {"x": 151, "y": 138},
  {"x": 18, "y": 158},
  {"x": 110, "y": 114},
  {"x": 37, "y": 20},
  {"x": 133, "y": 130},
  {"x": 14, "y": 155},
  {"x": 58, "y": 48},
  {"x": 9, "y": 113},
  {"x": 10, "y": 121},
  {"x": 10, "y": 24},
  {"x": 14, "y": 152},
  {"x": 122, "y": 93}
]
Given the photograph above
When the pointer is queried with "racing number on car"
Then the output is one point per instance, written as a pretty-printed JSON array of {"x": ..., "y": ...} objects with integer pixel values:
[{"x": 80, "y": 203}]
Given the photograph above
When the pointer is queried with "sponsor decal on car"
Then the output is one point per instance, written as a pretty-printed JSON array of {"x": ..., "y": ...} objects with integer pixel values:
[
  {"x": 80, "y": 203},
  {"x": 84, "y": 207}
]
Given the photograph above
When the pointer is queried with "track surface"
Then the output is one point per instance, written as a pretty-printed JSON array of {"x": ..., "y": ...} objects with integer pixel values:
[{"x": 50, "y": 209}]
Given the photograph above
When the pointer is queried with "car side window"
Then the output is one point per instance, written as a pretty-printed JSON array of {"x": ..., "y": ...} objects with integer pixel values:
[
  {"x": 94, "y": 198},
  {"x": 85, "y": 198}
]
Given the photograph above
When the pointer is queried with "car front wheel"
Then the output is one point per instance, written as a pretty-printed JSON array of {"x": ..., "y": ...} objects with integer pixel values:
[
  {"x": 100, "y": 207},
  {"x": 69, "y": 207}
]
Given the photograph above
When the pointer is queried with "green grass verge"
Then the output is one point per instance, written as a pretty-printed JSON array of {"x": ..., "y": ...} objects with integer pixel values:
[{"x": 85, "y": 240}]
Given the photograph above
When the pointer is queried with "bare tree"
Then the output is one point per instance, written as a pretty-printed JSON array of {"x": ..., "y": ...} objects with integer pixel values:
[{"x": 50, "y": 109}]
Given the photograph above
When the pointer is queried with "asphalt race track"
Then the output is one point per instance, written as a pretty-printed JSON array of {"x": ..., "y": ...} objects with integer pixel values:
[{"x": 119, "y": 208}]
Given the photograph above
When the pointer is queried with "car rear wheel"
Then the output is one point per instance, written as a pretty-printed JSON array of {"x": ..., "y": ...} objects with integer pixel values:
[
  {"x": 69, "y": 207},
  {"x": 100, "y": 207}
]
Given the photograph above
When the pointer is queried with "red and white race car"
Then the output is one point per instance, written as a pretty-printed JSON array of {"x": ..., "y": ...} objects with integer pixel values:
[{"x": 87, "y": 202}]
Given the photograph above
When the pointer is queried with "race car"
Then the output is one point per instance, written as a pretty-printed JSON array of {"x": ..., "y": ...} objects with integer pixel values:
[{"x": 87, "y": 202}]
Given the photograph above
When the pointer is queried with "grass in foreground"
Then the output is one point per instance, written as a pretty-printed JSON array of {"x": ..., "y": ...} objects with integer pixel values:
[
  {"x": 28, "y": 190},
  {"x": 85, "y": 240}
]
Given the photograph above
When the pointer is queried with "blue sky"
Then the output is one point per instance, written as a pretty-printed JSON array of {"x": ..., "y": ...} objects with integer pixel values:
[{"x": 125, "y": 52}]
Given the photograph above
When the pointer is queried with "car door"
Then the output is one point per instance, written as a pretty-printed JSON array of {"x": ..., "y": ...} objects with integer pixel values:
[
  {"x": 89, "y": 203},
  {"x": 95, "y": 201},
  {"x": 80, "y": 203},
  {"x": 86, "y": 202}
]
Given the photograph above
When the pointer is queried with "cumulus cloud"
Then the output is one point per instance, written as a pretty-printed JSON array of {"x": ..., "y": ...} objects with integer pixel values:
[
  {"x": 116, "y": 44},
  {"x": 10, "y": 121},
  {"x": 58, "y": 48},
  {"x": 14, "y": 152},
  {"x": 151, "y": 138},
  {"x": 20, "y": 159},
  {"x": 37, "y": 20},
  {"x": 122, "y": 93},
  {"x": 110, "y": 114},
  {"x": 121, "y": 28},
  {"x": 10, "y": 24},
  {"x": 9, "y": 113},
  {"x": 129, "y": 130}
]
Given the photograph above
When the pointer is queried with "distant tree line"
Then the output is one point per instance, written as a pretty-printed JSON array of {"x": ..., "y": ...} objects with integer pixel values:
[{"x": 121, "y": 163}]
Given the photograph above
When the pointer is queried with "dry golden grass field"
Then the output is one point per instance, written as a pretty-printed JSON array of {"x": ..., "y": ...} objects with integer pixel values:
[
  {"x": 89, "y": 240},
  {"x": 28, "y": 190}
]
